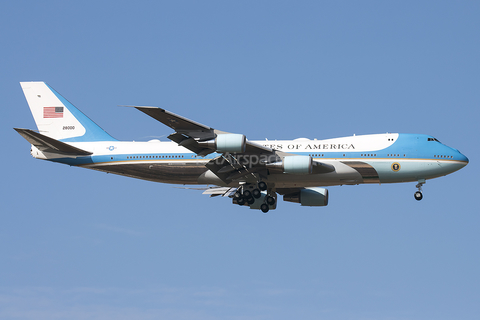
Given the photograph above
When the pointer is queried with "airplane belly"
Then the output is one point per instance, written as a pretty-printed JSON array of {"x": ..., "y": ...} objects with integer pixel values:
[
  {"x": 171, "y": 172},
  {"x": 343, "y": 175}
]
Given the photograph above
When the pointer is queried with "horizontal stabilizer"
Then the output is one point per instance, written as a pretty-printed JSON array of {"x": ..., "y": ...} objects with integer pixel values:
[{"x": 48, "y": 144}]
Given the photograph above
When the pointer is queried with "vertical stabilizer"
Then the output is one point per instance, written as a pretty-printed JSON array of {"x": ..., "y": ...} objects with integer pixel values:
[{"x": 59, "y": 119}]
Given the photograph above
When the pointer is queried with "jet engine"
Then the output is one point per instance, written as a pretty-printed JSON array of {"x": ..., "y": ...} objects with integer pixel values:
[
  {"x": 294, "y": 165},
  {"x": 312, "y": 197},
  {"x": 230, "y": 142}
]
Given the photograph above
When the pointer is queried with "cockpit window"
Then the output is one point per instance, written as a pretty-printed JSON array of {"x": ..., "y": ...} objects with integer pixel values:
[{"x": 433, "y": 139}]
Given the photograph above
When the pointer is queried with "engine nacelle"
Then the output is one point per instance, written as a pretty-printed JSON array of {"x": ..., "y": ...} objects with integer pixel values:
[
  {"x": 227, "y": 142},
  {"x": 294, "y": 165},
  {"x": 231, "y": 143},
  {"x": 312, "y": 197}
]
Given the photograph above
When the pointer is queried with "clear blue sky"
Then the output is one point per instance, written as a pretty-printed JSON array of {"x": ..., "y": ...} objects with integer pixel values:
[{"x": 79, "y": 244}]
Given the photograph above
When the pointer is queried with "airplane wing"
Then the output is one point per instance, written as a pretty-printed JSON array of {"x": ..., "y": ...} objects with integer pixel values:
[
  {"x": 250, "y": 160},
  {"x": 51, "y": 145},
  {"x": 189, "y": 133},
  {"x": 179, "y": 124}
]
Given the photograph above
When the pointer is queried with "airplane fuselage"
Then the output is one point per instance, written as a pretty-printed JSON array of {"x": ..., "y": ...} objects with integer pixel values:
[{"x": 377, "y": 158}]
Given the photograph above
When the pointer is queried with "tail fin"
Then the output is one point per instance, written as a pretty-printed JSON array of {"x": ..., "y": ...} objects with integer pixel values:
[{"x": 59, "y": 119}]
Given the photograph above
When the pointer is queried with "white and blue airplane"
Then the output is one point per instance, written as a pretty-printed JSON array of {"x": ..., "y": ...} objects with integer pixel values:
[{"x": 252, "y": 173}]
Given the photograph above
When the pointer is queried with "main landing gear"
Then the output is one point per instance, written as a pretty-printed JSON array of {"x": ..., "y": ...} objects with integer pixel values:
[
  {"x": 264, "y": 207},
  {"x": 262, "y": 186},
  {"x": 418, "y": 194},
  {"x": 269, "y": 201},
  {"x": 245, "y": 195}
]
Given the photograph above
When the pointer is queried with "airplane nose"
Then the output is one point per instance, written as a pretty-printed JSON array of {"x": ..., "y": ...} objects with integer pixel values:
[
  {"x": 460, "y": 156},
  {"x": 463, "y": 158}
]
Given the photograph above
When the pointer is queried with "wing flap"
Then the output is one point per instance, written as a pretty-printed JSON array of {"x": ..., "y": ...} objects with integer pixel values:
[{"x": 220, "y": 191}]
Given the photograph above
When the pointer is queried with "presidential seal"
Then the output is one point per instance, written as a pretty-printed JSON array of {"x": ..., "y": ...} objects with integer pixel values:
[{"x": 395, "y": 166}]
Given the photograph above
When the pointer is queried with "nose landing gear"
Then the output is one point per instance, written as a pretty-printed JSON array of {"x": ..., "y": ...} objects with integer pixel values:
[{"x": 418, "y": 194}]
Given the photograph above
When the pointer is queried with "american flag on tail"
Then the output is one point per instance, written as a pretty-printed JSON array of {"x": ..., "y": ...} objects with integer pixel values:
[{"x": 52, "y": 112}]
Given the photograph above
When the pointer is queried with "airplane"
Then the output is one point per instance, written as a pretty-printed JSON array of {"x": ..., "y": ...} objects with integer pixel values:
[{"x": 251, "y": 173}]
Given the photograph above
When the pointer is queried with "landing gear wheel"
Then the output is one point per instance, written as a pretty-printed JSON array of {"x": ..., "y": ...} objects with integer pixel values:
[
  {"x": 262, "y": 186},
  {"x": 247, "y": 194},
  {"x": 241, "y": 201},
  {"x": 418, "y": 196},
  {"x": 251, "y": 200},
  {"x": 270, "y": 200},
  {"x": 237, "y": 195},
  {"x": 264, "y": 207},
  {"x": 256, "y": 193}
]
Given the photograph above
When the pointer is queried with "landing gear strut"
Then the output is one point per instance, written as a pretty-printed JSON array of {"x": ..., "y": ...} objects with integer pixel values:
[{"x": 418, "y": 194}]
